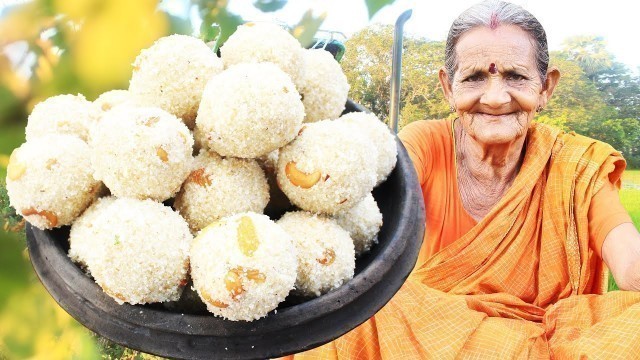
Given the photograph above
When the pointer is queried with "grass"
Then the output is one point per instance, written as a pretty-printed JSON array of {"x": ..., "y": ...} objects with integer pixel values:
[{"x": 630, "y": 194}]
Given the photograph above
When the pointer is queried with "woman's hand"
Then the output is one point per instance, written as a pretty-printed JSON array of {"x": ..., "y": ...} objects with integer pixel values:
[{"x": 621, "y": 253}]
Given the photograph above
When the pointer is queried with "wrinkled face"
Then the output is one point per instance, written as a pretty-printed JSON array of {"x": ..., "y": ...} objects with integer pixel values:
[{"x": 496, "y": 87}]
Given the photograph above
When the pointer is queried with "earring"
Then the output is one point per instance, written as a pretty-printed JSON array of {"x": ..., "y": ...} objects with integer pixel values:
[
  {"x": 452, "y": 109},
  {"x": 539, "y": 108}
]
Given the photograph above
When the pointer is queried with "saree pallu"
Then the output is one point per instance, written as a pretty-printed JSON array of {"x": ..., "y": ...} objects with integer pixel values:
[{"x": 521, "y": 284}]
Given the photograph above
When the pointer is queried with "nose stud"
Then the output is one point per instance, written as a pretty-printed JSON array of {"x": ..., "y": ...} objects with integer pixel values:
[{"x": 492, "y": 68}]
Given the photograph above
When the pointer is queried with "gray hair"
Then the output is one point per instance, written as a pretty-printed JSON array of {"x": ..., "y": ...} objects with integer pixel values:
[{"x": 492, "y": 13}]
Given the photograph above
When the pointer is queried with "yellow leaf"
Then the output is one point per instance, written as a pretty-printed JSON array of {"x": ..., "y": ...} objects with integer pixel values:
[
  {"x": 109, "y": 42},
  {"x": 77, "y": 9},
  {"x": 4, "y": 161},
  {"x": 43, "y": 71},
  {"x": 21, "y": 23}
]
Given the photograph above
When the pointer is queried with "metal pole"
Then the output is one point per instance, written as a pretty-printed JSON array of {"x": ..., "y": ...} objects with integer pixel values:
[{"x": 396, "y": 69}]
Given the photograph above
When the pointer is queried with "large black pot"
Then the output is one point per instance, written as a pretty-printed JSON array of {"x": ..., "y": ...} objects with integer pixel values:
[{"x": 293, "y": 328}]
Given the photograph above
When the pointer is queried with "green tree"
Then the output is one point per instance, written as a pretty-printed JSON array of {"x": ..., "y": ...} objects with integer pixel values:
[
  {"x": 590, "y": 52},
  {"x": 621, "y": 89},
  {"x": 367, "y": 65},
  {"x": 597, "y": 96},
  {"x": 576, "y": 102}
]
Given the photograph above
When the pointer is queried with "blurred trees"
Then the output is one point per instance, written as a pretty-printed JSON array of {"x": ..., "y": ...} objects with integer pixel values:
[
  {"x": 597, "y": 96},
  {"x": 54, "y": 47},
  {"x": 51, "y": 47},
  {"x": 367, "y": 65},
  {"x": 588, "y": 51},
  {"x": 603, "y": 99}
]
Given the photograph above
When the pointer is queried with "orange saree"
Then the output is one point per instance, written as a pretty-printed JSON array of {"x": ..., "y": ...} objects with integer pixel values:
[{"x": 524, "y": 282}]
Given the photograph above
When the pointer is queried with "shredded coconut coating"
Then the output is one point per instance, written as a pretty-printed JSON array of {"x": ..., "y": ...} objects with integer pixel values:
[
  {"x": 326, "y": 254},
  {"x": 269, "y": 162},
  {"x": 141, "y": 152},
  {"x": 380, "y": 135},
  {"x": 172, "y": 74},
  {"x": 219, "y": 187},
  {"x": 343, "y": 160},
  {"x": 198, "y": 145},
  {"x": 325, "y": 91},
  {"x": 265, "y": 42},
  {"x": 50, "y": 181},
  {"x": 62, "y": 114},
  {"x": 112, "y": 98},
  {"x": 278, "y": 202},
  {"x": 248, "y": 111},
  {"x": 136, "y": 250},
  {"x": 363, "y": 222},
  {"x": 243, "y": 266}
]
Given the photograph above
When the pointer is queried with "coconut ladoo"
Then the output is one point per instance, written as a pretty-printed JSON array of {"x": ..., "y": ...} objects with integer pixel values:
[
  {"x": 136, "y": 250},
  {"x": 62, "y": 114},
  {"x": 243, "y": 266},
  {"x": 50, "y": 181},
  {"x": 363, "y": 223},
  {"x": 248, "y": 111},
  {"x": 327, "y": 168},
  {"x": 112, "y": 98},
  {"x": 260, "y": 42},
  {"x": 323, "y": 99},
  {"x": 325, "y": 252},
  {"x": 143, "y": 153},
  {"x": 379, "y": 134},
  {"x": 219, "y": 187},
  {"x": 171, "y": 75}
]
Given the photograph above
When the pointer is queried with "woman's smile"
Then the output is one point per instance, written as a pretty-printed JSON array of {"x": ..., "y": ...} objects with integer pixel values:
[
  {"x": 495, "y": 117},
  {"x": 496, "y": 87}
]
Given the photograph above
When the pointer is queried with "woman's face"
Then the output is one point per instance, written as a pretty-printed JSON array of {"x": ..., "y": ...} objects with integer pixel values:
[{"x": 496, "y": 88}]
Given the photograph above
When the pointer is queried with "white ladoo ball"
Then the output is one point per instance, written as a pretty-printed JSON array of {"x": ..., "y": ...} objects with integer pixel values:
[
  {"x": 243, "y": 266},
  {"x": 219, "y": 187},
  {"x": 172, "y": 74},
  {"x": 50, "y": 180},
  {"x": 325, "y": 252},
  {"x": 136, "y": 250},
  {"x": 62, "y": 114},
  {"x": 248, "y": 111},
  {"x": 142, "y": 153},
  {"x": 325, "y": 90},
  {"x": 328, "y": 168},
  {"x": 260, "y": 42}
]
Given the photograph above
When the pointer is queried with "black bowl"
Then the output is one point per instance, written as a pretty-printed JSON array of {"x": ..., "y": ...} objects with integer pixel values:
[{"x": 292, "y": 328}]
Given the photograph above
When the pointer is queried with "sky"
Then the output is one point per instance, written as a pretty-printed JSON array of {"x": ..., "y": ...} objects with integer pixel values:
[{"x": 615, "y": 20}]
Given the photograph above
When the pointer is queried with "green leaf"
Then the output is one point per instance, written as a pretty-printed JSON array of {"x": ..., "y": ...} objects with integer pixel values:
[
  {"x": 373, "y": 6},
  {"x": 227, "y": 22},
  {"x": 269, "y": 5},
  {"x": 11, "y": 220},
  {"x": 307, "y": 27}
]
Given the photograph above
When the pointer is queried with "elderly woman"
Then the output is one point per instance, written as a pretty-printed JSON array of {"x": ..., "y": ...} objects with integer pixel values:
[{"x": 520, "y": 218}]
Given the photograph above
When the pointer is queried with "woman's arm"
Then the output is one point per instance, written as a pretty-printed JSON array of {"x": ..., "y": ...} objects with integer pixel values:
[{"x": 621, "y": 253}]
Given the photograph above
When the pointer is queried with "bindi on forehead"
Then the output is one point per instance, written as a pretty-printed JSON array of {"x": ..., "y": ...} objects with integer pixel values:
[
  {"x": 493, "y": 24},
  {"x": 492, "y": 68}
]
